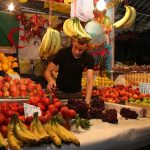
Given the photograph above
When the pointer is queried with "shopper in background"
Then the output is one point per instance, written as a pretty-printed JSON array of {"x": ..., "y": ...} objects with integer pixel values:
[{"x": 71, "y": 62}]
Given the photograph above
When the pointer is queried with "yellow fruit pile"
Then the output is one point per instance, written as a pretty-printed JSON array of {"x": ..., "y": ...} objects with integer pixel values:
[
  {"x": 8, "y": 63},
  {"x": 99, "y": 81}
]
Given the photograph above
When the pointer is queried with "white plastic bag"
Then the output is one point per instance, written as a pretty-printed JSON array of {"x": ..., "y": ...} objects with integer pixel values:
[{"x": 82, "y": 9}]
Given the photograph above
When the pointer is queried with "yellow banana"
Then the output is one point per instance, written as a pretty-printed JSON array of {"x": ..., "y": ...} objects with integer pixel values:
[
  {"x": 60, "y": 133},
  {"x": 25, "y": 135},
  {"x": 131, "y": 20},
  {"x": 66, "y": 2},
  {"x": 55, "y": 138},
  {"x": 41, "y": 130},
  {"x": 69, "y": 134},
  {"x": 41, "y": 47},
  {"x": 52, "y": 47},
  {"x": 34, "y": 129},
  {"x": 71, "y": 28},
  {"x": 3, "y": 142},
  {"x": 13, "y": 142},
  {"x": 58, "y": 43},
  {"x": 48, "y": 40},
  {"x": 81, "y": 29},
  {"x": 76, "y": 28},
  {"x": 65, "y": 28},
  {"x": 122, "y": 21}
]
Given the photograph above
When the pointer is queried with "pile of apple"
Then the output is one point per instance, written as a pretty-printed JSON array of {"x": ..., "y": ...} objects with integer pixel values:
[
  {"x": 117, "y": 94},
  {"x": 49, "y": 108},
  {"x": 145, "y": 101},
  {"x": 19, "y": 88}
]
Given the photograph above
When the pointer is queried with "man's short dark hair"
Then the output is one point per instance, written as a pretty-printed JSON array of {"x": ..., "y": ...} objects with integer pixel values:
[{"x": 83, "y": 41}]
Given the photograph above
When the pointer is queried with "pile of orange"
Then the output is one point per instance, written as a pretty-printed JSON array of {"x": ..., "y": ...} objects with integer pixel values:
[{"x": 7, "y": 63}]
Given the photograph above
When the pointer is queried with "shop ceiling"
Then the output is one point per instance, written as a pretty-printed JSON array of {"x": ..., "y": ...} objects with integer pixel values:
[{"x": 142, "y": 7}]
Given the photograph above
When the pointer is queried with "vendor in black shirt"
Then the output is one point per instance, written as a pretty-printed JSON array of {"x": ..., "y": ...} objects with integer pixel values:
[{"x": 71, "y": 62}]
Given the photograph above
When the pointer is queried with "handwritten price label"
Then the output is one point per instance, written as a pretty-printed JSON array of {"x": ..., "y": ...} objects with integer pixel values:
[{"x": 29, "y": 110}]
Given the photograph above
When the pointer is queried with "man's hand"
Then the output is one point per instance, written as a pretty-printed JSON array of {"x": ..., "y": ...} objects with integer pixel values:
[{"x": 51, "y": 86}]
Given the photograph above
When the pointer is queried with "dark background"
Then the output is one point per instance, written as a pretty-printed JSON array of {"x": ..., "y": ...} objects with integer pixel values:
[{"x": 131, "y": 48}]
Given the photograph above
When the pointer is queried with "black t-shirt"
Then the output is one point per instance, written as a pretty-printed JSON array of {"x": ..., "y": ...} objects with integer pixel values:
[{"x": 70, "y": 69}]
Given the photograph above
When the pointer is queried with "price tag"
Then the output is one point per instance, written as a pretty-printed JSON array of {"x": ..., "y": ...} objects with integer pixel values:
[{"x": 29, "y": 110}]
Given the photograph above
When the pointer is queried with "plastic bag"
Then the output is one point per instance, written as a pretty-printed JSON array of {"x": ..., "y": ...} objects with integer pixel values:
[{"x": 82, "y": 9}]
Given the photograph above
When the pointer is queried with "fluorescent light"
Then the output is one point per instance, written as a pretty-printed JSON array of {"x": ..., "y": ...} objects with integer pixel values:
[
  {"x": 11, "y": 7},
  {"x": 101, "y": 5}
]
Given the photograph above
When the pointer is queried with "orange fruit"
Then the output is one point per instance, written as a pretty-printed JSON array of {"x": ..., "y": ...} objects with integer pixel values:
[
  {"x": 14, "y": 64},
  {"x": 10, "y": 58},
  {"x": 5, "y": 66},
  {"x": 4, "y": 60},
  {"x": 10, "y": 71},
  {"x": 2, "y": 55}
]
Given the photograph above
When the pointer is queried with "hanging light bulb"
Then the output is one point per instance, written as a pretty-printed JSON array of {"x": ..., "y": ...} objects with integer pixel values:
[
  {"x": 101, "y": 5},
  {"x": 11, "y": 7}
]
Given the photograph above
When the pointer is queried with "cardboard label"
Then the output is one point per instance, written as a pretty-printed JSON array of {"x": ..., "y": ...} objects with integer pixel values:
[{"x": 29, "y": 110}]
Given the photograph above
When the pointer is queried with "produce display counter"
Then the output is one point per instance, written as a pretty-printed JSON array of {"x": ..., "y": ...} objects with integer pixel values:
[{"x": 126, "y": 135}]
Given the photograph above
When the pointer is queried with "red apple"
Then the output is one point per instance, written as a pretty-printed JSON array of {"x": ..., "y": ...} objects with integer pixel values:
[
  {"x": 1, "y": 93},
  {"x": 23, "y": 94},
  {"x": 38, "y": 86},
  {"x": 58, "y": 105},
  {"x": 23, "y": 87},
  {"x": 6, "y": 93}
]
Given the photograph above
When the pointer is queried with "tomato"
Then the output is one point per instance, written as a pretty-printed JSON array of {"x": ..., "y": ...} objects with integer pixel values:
[
  {"x": 42, "y": 107},
  {"x": 21, "y": 110},
  {"x": 7, "y": 120},
  {"x": 53, "y": 111},
  {"x": 42, "y": 119},
  {"x": 3, "y": 130},
  {"x": 71, "y": 113},
  {"x": 2, "y": 118},
  {"x": 64, "y": 111},
  {"x": 58, "y": 105},
  {"x": 22, "y": 118},
  {"x": 33, "y": 101},
  {"x": 55, "y": 100},
  {"x": 28, "y": 120},
  {"x": 45, "y": 101}
]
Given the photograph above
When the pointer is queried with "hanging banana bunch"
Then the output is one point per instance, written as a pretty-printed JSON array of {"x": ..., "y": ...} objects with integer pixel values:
[
  {"x": 68, "y": 1},
  {"x": 73, "y": 28},
  {"x": 128, "y": 19},
  {"x": 51, "y": 43}
]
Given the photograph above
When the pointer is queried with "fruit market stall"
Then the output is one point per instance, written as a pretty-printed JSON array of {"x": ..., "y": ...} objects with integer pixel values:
[{"x": 32, "y": 118}]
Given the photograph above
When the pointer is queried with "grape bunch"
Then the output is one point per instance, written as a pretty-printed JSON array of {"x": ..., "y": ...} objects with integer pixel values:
[
  {"x": 95, "y": 113},
  {"x": 110, "y": 116},
  {"x": 80, "y": 106},
  {"x": 128, "y": 113},
  {"x": 97, "y": 103}
]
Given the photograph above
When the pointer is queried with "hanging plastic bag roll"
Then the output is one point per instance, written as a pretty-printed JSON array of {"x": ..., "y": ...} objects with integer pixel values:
[{"x": 82, "y": 9}]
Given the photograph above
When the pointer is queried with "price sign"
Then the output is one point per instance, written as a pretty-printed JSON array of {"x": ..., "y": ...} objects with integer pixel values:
[{"x": 29, "y": 110}]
